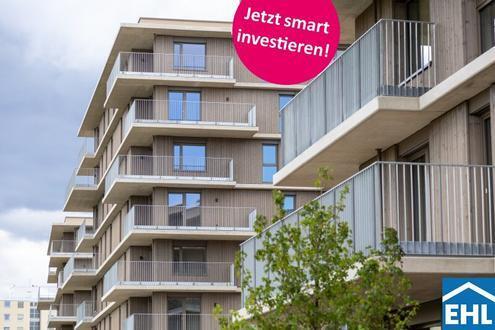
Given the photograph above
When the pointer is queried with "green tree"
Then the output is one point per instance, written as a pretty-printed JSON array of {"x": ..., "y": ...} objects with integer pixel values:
[{"x": 318, "y": 281}]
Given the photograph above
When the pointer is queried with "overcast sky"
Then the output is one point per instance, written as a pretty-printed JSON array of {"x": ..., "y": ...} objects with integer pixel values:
[{"x": 51, "y": 55}]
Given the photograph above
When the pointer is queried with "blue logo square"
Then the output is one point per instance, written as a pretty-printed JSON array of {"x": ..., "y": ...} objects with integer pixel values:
[{"x": 468, "y": 303}]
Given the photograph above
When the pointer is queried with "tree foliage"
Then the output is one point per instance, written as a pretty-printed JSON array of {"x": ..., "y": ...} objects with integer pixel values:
[{"x": 318, "y": 281}]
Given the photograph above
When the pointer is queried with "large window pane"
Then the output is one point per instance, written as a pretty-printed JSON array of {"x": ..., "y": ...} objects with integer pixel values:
[
  {"x": 289, "y": 203},
  {"x": 184, "y": 209},
  {"x": 190, "y": 157},
  {"x": 190, "y": 56},
  {"x": 184, "y": 106},
  {"x": 269, "y": 162}
]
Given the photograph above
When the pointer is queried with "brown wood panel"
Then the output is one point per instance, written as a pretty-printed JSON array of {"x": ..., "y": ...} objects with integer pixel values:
[
  {"x": 450, "y": 43},
  {"x": 228, "y": 301},
  {"x": 449, "y": 137}
]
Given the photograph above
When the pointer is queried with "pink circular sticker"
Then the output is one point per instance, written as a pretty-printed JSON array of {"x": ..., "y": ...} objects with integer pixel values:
[{"x": 286, "y": 41}]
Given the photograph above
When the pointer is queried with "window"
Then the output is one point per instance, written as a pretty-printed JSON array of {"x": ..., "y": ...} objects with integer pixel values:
[
  {"x": 184, "y": 313},
  {"x": 6, "y": 304},
  {"x": 184, "y": 209},
  {"x": 6, "y": 317},
  {"x": 34, "y": 313},
  {"x": 269, "y": 162},
  {"x": 6, "y": 328},
  {"x": 190, "y": 157},
  {"x": 191, "y": 56},
  {"x": 20, "y": 304},
  {"x": 289, "y": 203},
  {"x": 20, "y": 328},
  {"x": 20, "y": 317},
  {"x": 487, "y": 29},
  {"x": 283, "y": 99},
  {"x": 189, "y": 258},
  {"x": 184, "y": 106}
]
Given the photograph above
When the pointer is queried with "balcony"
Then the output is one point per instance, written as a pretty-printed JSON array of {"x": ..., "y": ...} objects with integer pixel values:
[
  {"x": 441, "y": 211},
  {"x": 135, "y": 74},
  {"x": 372, "y": 87},
  {"x": 84, "y": 315},
  {"x": 61, "y": 315},
  {"x": 46, "y": 296},
  {"x": 87, "y": 153},
  {"x": 78, "y": 273},
  {"x": 148, "y": 222},
  {"x": 189, "y": 321},
  {"x": 139, "y": 278},
  {"x": 83, "y": 190},
  {"x": 60, "y": 251},
  {"x": 84, "y": 237},
  {"x": 52, "y": 275},
  {"x": 147, "y": 118},
  {"x": 139, "y": 174}
]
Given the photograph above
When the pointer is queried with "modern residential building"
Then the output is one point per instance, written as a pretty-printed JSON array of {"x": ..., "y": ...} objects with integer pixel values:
[
  {"x": 22, "y": 315},
  {"x": 183, "y": 145},
  {"x": 405, "y": 118}
]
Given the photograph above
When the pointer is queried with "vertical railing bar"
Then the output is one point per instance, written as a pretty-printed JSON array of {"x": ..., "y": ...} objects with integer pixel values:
[
  {"x": 419, "y": 199},
  {"x": 482, "y": 194},
  {"x": 490, "y": 217},
  {"x": 432, "y": 203},
  {"x": 447, "y": 200},
  {"x": 476, "y": 205},
  {"x": 455, "y": 198},
  {"x": 463, "y": 215},
  {"x": 411, "y": 197}
]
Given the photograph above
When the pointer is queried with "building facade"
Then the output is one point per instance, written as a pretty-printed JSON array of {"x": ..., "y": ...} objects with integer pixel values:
[
  {"x": 183, "y": 145},
  {"x": 405, "y": 118},
  {"x": 22, "y": 315}
]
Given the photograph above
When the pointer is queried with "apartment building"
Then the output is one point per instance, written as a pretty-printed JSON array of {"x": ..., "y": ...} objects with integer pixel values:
[
  {"x": 22, "y": 314},
  {"x": 405, "y": 118},
  {"x": 183, "y": 142}
]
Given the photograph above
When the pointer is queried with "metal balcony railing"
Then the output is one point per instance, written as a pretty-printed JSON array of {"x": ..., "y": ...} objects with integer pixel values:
[
  {"x": 393, "y": 58},
  {"x": 62, "y": 311},
  {"x": 171, "y": 65},
  {"x": 78, "y": 265},
  {"x": 437, "y": 210},
  {"x": 83, "y": 178},
  {"x": 60, "y": 278},
  {"x": 62, "y": 246},
  {"x": 87, "y": 148},
  {"x": 170, "y": 168},
  {"x": 85, "y": 312},
  {"x": 47, "y": 293},
  {"x": 163, "y": 217},
  {"x": 83, "y": 232},
  {"x": 169, "y": 273},
  {"x": 190, "y": 113},
  {"x": 186, "y": 320}
]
